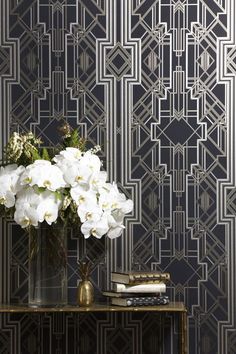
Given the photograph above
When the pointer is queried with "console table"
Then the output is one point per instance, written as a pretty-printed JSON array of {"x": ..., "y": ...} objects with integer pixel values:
[{"x": 173, "y": 307}]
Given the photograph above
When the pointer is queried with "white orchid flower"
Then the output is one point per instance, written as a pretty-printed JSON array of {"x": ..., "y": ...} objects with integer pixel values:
[
  {"x": 27, "y": 198},
  {"x": 115, "y": 218},
  {"x": 9, "y": 184},
  {"x": 12, "y": 169},
  {"x": 97, "y": 180},
  {"x": 70, "y": 171},
  {"x": 115, "y": 222},
  {"x": 126, "y": 206},
  {"x": 25, "y": 208},
  {"x": 108, "y": 198},
  {"x": 91, "y": 162},
  {"x": 78, "y": 167},
  {"x": 70, "y": 154},
  {"x": 83, "y": 197},
  {"x": 120, "y": 201},
  {"x": 48, "y": 211},
  {"x": 26, "y": 205},
  {"x": 15, "y": 180},
  {"x": 68, "y": 162},
  {"x": 7, "y": 198},
  {"x": 75, "y": 174},
  {"x": 95, "y": 228},
  {"x": 43, "y": 174},
  {"x": 33, "y": 207},
  {"x": 26, "y": 217},
  {"x": 111, "y": 199},
  {"x": 115, "y": 232},
  {"x": 90, "y": 213},
  {"x": 105, "y": 200}
]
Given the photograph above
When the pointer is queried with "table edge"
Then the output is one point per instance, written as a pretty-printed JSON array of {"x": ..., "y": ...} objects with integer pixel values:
[{"x": 172, "y": 307}]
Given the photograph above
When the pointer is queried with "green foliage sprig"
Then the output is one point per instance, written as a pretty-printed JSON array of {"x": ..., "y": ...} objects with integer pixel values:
[
  {"x": 24, "y": 149},
  {"x": 71, "y": 138}
]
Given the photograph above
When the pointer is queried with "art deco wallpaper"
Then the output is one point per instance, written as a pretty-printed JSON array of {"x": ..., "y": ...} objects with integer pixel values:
[{"x": 152, "y": 82}]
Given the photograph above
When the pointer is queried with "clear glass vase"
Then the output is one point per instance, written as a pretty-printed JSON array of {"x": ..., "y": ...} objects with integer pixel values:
[{"x": 47, "y": 265}]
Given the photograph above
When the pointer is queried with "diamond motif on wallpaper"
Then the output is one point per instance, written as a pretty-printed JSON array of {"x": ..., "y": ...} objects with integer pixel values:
[
  {"x": 31, "y": 61},
  {"x": 4, "y": 60},
  {"x": 119, "y": 334},
  {"x": 231, "y": 60},
  {"x": 152, "y": 201},
  {"x": 119, "y": 341},
  {"x": 185, "y": 272},
  {"x": 178, "y": 131},
  {"x": 205, "y": 60},
  {"x": 118, "y": 61},
  {"x": 152, "y": 61},
  {"x": 205, "y": 201},
  {"x": 183, "y": 128},
  {"x": 231, "y": 201},
  {"x": 85, "y": 61}
]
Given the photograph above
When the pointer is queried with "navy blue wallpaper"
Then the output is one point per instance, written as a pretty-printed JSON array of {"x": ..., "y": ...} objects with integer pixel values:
[{"x": 152, "y": 82}]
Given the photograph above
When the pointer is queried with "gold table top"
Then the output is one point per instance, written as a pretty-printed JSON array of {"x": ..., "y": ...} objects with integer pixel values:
[{"x": 24, "y": 308}]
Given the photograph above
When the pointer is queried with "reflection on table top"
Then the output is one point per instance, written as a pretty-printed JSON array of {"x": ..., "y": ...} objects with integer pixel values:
[{"x": 97, "y": 307}]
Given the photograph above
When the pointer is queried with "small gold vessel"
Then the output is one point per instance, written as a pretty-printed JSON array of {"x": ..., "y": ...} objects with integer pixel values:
[{"x": 85, "y": 291}]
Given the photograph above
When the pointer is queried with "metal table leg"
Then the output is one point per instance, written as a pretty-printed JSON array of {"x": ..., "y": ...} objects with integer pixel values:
[{"x": 183, "y": 332}]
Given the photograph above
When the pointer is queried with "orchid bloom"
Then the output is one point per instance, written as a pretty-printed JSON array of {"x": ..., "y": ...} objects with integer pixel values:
[
  {"x": 43, "y": 174},
  {"x": 83, "y": 197},
  {"x": 95, "y": 228},
  {"x": 48, "y": 207},
  {"x": 9, "y": 184},
  {"x": 89, "y": 213},
  {"x": 26, "y": 207}
]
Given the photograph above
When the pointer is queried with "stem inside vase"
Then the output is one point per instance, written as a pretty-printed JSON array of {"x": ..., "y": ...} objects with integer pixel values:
[{"x": 47, "y": 265}]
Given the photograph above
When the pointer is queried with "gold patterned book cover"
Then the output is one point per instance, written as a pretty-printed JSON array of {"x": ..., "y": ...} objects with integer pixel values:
[{"x": 139, "y": 277}]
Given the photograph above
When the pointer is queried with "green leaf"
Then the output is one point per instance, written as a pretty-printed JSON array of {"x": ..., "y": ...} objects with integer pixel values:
[
  {"x": 45, "y": 154},
  {"x": 41, "y": 189},
  {"x": 35, "y": 155},
  {"x": 58, "y": 195},
  {"x": 73, "y": 139}
]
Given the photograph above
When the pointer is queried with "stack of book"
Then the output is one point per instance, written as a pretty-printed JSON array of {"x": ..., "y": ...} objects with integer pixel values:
[{"x": 138, "y": 289}]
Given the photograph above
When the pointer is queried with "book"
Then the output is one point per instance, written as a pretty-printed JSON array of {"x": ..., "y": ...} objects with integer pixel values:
[
  {"x": 139, "y": 277},
  {"x": 141, "y": 301},
  {"x": 116, "y": 294},
  {"x": 124, "y": 295},
  {"x": 141, "y": 288}
]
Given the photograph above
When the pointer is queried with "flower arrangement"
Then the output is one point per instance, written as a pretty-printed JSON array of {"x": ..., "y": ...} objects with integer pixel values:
[{"x": 69, "y": 186}]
